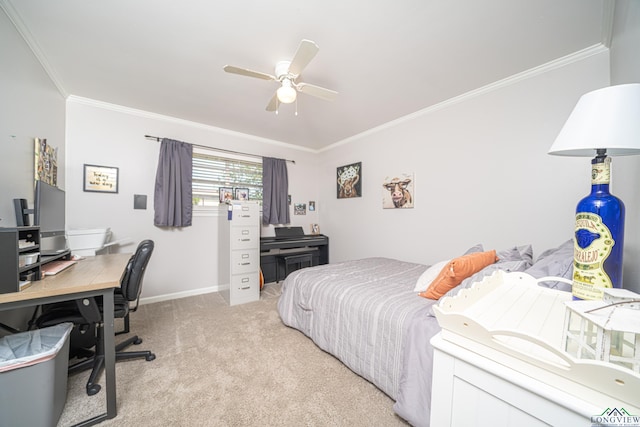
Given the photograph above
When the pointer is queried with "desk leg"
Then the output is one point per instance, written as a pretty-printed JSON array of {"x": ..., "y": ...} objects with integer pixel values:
[{"x": 109, "y": 354}]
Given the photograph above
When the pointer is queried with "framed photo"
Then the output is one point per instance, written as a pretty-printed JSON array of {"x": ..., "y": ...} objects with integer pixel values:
[
  {"x": 100, "y": 179},
  {"x": 300, "y": 209},
  {"x": 242, "y": 194},
  {"x": 312, "y": 206},
  {"x": 226, "y": 194},
  {"x": 315, "y": 229},
  {"x": 349, "y": 181}
]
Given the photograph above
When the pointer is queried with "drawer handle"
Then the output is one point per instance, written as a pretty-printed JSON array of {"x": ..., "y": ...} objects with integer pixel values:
[
  {"x": 244, "y": 288},
  {"x": 245, "y": 240},
  {"x": 245, "y": 279},
  {"x": 245, "y": 232},
  {"x": 245, "y": 256},
  {"x": 245, "y": 263}
]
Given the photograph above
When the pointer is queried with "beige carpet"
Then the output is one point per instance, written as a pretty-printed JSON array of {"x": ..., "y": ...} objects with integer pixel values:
[{"x": 230, "y": 366}]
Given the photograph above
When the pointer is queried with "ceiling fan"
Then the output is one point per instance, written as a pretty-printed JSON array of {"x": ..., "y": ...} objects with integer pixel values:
[{"x": 287, "y": 73}]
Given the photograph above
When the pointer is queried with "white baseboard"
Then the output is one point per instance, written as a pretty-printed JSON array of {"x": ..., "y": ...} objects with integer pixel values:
[{"x": 176, "y": 295}]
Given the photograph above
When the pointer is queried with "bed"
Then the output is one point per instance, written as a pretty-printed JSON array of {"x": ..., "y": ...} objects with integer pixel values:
[{"x": 368, "y": 314}]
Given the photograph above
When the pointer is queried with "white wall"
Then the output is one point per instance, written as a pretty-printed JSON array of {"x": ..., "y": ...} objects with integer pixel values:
[
  {"x": 625, "y": 68},
  {"x": 30, "y": 107},
  {"x": 482, "y": 173},
  {"x": 185, "y": 260}
]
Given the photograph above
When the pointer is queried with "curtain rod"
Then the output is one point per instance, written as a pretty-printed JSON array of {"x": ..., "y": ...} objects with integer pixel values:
[{"x": 216, "y": 149}]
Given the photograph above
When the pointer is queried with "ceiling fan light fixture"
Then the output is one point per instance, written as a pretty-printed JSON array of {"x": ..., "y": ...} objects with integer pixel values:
[{"x": 286, "y": 93}]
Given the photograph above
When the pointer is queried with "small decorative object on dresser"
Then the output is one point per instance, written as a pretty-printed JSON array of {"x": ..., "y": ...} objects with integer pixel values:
[{"x": 606, "y": 330}]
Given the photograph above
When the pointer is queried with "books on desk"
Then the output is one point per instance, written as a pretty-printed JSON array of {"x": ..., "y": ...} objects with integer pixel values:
[{"x": 54, "y": 267}]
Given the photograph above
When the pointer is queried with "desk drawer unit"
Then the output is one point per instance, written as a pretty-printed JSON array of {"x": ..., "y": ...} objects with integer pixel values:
[{"x": 239, "y": 252}]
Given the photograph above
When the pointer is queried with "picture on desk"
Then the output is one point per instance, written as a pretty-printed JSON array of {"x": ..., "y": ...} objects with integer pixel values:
[
  {"x": 242, "y": 194},
  {"x": 226, "y": 194}
]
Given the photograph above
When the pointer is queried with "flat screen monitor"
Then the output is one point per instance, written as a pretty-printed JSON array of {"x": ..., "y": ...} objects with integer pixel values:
[{"x": 49, "y": 210}]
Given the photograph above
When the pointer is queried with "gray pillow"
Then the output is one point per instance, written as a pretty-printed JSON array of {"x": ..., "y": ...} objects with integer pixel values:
[
  {"x": 554, "y": 262},
  {"x": 474, "y": 249},
  {"x": 516, "y": 253}
]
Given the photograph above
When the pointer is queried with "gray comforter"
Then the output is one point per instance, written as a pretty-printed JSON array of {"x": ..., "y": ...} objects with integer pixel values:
[{"x": 366, "y": 314}]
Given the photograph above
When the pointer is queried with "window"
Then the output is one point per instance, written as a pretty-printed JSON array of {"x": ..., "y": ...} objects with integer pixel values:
[{"x": 212, "y": 171}]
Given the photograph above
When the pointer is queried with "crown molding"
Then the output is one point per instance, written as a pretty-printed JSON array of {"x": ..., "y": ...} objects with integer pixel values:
[
  {"x": 532, "y": 72},
  {"x": 169, "y": 119},
  {"x": 608, "y": 17},
  {"x": 28, "y": 37}
]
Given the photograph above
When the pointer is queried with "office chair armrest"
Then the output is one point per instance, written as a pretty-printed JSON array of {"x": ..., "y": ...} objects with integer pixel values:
[{"x": 89, "y": 309}]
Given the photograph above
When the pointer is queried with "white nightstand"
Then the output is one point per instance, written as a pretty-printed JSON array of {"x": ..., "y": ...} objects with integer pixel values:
[{"x": 498, "y": 362}]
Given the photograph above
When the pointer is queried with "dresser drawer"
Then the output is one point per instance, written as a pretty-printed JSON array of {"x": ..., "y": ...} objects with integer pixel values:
[
  {"x": 245, "y": 261},
  {"x": 245, "y": 288},
  {"x": 245, "y": 237}
]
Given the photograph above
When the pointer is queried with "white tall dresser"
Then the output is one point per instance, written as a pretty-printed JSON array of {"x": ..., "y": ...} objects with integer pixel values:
[{"x": 239, "y": 252}]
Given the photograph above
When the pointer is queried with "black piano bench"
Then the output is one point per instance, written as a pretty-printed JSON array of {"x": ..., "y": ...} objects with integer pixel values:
[{"x": 293, "y": 262}]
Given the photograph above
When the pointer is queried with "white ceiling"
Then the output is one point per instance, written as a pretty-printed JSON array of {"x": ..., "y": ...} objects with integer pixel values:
[{"x": 386, "y": 58}]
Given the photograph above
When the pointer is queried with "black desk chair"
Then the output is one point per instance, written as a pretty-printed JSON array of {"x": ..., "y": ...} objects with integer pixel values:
[{"x": 86, "y": 315}]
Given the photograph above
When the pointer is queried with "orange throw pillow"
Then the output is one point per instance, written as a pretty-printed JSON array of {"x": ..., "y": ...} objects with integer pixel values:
[{"x": 456, "y": 271}]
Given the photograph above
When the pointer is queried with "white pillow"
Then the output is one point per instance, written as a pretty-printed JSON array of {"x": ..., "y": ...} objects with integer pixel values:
[{"x": 429, "y": 276}]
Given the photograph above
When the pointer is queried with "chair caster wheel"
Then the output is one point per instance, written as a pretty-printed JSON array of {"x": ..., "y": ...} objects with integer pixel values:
[
  {"x": 93, "y": 389},
  {"x": 150, "y": 357},
  {"x": 138, "y": 341}
]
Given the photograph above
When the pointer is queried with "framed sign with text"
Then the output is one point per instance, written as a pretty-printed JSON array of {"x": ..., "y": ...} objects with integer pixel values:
[{"x": 101, "y": 179}]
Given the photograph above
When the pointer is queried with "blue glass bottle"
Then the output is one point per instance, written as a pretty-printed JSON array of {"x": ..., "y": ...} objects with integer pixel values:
[{"x": 599, "y": 235}]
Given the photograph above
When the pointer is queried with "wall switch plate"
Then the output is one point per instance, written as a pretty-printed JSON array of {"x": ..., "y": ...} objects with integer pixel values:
[{"x": 139, "y": 201}]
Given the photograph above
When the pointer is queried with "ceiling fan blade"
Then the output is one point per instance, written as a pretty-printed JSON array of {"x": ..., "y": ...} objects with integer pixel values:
[
  {"x": 305, "y": 53},
  {"x": 248, "y": 73},
  {"x": 273, "y": 103},
  {"x": 317, "y": 91}
]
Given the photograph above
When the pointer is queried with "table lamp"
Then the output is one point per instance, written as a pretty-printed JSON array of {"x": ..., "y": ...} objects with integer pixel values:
[{"x": 603, "y": 122}]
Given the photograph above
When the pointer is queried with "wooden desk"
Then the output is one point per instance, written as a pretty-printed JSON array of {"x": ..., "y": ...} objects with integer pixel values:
[{"x": 90, "y": 277}]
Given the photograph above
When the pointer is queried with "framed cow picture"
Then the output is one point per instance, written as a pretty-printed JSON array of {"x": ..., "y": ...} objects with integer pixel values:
[
  {"x": 398, "y": 191},
  {"x": 349, "y": 181}
]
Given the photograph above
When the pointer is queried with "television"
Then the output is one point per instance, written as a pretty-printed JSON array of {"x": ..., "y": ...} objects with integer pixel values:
[{"x": 49, "y": 215}]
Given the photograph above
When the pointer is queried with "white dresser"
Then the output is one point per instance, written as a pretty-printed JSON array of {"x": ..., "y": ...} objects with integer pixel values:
[
  {"x": 498, "y": 362},
  {"x": 239, "y": 252}
]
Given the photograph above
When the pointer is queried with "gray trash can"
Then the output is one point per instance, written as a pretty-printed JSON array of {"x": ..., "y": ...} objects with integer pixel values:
[{"x": 33, "y": 376}]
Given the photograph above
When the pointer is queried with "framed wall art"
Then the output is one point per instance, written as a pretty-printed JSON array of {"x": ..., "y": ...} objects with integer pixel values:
[
  {"x": 397, "y": 191},
  {"x": 46, "y": 162},
  {"x": 300, "y": 209},
  {"x": 100, "y": 179},
  {"x": 349, "y": 181}
]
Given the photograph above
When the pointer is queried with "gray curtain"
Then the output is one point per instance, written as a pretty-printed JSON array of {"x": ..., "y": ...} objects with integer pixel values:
[
  {"x": 173, "y": 195},
  {"x": 275, "y": 189}
]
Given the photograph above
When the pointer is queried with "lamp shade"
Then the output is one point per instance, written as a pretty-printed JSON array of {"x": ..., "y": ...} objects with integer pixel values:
[{"x": 605, "y": 118}]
